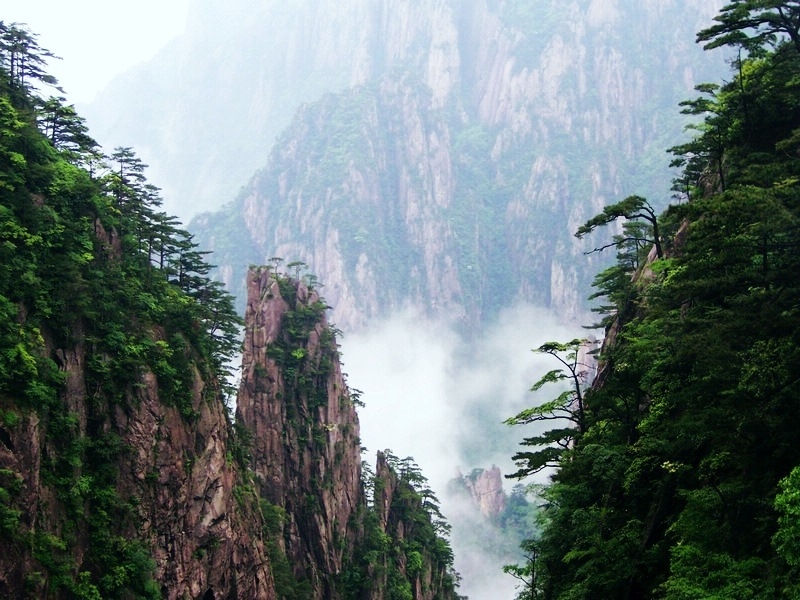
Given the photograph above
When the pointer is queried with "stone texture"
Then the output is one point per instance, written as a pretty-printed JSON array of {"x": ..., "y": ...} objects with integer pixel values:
[
  {"x": 175, "y": 470},
  {"x": 195, "y": 509},
  {"x": 306, "y": 450},
  {"x": 486, "y": 489},
  {"x": 369, "y": 186}
]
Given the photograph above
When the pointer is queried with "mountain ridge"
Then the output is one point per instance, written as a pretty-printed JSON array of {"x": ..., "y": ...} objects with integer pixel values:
[{"x": 460, "y": 174}]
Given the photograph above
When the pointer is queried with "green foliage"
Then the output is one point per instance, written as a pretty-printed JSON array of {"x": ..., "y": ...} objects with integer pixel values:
[
  {"x": 90, "y": 273},
  {"x": 567, "y": 409},
  {"x": 10, "y": 485},
  {"x": 526, "y": 573},
  {"x": 679, "y": 479},
  {"x": 631, "y": 208},
  {"x": 787, "y": 503},
  {"x": 477, "y": 217},
  {"x": 22, "y": 61},
  {"x": 287, "y": 585},
  {"x": 304, "y": 372},
  {"x": 406, "y": 549},
  {"x": 533, "y": 22},
  {"x": 754, "y": 25}
]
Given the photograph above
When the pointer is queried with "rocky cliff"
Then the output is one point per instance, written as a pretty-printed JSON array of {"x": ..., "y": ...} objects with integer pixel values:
[
  {"x": 486, "y": 489},
  {"x": 452, "y": 172},
  {"x": 422, "y": 564},
  {"x": 122, "y": 472},
  {"x": 188, "y": 506},
  {"x": 293, "y": 401},
  {"x": 305, "y": 456},
  {"x": 159, "y": 485}
]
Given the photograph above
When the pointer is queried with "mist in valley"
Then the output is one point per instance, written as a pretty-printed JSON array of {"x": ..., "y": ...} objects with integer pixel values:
[
  {"x": 439, "y": 396},
  {"x": 508, "y": 147}
]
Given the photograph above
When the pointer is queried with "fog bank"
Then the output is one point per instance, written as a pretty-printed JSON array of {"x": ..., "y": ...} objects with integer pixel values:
[{"x": 433, "y": 395}]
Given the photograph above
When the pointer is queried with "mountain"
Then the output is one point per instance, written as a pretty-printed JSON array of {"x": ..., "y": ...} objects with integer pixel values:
[
  {"x": 122, "y": 473},
  {"x": 438, "y": 154},
  {"x": 679, "y": 475},
  {"x": 300, "y": 428},
  {"x": 207, "y": 109},
  {"x": 461, "y": 146}
]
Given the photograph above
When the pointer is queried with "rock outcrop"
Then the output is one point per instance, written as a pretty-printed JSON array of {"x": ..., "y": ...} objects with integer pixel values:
[
  {"x": 295, "y": 404},
  {"x": 424, "y": 566},
  {"x": 452, "y": 167},
  {"x": 266, "y": 508},
  {"x": 486, "y": 489},
  {"x": 206, "y": 545},
  {"x": 174, "y": 473}
]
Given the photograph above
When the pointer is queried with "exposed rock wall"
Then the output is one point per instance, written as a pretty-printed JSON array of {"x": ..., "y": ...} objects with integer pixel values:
[
  {"x": 306, "y": 451},
  {"x": 486, "y": 489},
  {"x": 175, "y": 472},
  {"x": 395, "y": 507},
  {"x": 361, "y": 222},
  {"x": 474, "y": 140},
  {"x": 205, "y": 543}
]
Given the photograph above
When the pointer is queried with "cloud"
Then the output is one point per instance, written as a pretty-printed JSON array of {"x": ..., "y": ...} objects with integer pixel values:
[
  {"x": 435, "y": 395},
  {"x": 98, "y": 39}
]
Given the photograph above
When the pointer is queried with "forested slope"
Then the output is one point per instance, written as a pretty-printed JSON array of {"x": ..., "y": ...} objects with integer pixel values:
[
  {"x": 122, "y": 473},
  {"x": 679, "y": 475},
  {"x": 112, "y": 342}
]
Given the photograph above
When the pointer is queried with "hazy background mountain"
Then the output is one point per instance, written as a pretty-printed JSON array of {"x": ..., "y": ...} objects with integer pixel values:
[
  {"x": 432, "y": 153},
  {"x": 206, "y": 111},
  {"x": 429, "y": 161}
]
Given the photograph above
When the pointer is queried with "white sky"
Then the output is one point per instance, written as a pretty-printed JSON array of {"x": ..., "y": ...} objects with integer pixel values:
[{"x": 97, "y": 39}]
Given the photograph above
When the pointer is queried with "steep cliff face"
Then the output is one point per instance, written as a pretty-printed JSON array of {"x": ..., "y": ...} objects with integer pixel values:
[
  {"x": 361, "y": 221},
  {"x": 294, "y": 402},
  {"x": 166, "y": 481},
  {"x": 204, "y": 542},
  {"x": 422, "y": 566},
  {"x": 272, "y": 507},
  {"x": 453, "y": 172},
  {"x": 486, "y": 488},
  {"x": 121, "y": 473}
]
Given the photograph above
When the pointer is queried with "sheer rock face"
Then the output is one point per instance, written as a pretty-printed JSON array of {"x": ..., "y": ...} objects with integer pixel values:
[
  {"x": 195, "y": 512},
  {"x": 20, "y": 464},
  {"x": 175, "y": 472},
  {"x": 203, "y": 538},
  {"x": 306, "y": 451},
  {"x": 392, "y": 508},
  {"x": 462, "y": 146},
  {"x": 350, "y": 231},
  {"x": 486, "y": 490}
]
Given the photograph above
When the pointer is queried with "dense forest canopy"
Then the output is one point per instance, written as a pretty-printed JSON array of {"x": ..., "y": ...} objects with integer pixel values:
[{"x": 680, "y": 478}]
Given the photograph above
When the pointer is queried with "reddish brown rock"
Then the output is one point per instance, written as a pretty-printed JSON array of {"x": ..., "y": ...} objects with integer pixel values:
[
  {"x": 174, "y": 473},
  {"x": 306, "y": 450},
  {"x": 190, "y": 500}
]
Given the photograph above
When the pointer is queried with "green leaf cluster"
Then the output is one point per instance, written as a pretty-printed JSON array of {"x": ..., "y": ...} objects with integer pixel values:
[
  {"x": 93, "y": 278},
  {"x": 404, "y": 546},
  {"x": 680, "y": 477}
]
